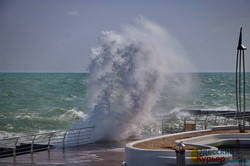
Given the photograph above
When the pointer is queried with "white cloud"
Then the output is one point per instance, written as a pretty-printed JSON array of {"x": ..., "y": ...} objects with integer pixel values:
[{"x": 73, "y": 13}]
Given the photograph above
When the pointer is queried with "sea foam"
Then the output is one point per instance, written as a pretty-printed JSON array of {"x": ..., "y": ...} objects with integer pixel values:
[{"x": 127, "y": 72}]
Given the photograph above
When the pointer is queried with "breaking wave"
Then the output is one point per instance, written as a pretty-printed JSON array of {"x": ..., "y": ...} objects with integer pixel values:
[{"x": 127, "y": 72}]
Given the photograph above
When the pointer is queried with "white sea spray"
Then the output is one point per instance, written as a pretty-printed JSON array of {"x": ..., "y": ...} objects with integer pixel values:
[{"x": 127, "y": 72}]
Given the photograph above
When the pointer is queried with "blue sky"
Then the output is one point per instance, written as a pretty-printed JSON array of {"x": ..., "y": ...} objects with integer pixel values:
[{"x": 57, "y": 35}]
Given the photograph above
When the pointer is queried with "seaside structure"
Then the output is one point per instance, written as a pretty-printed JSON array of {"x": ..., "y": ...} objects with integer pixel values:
[
  {"x": 155, "y": 151},
  {"x": 241, "y": 84}
]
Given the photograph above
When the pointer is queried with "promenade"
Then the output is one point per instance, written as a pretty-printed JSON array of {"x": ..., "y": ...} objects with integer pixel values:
[{"x": 100, "y": 154}]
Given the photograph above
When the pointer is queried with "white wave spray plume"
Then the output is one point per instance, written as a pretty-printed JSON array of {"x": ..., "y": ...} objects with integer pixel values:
[{"x": 127, "y": 73}]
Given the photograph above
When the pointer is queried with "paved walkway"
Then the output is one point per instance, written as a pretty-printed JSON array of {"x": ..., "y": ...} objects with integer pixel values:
[{"x": 101, "y": 154}]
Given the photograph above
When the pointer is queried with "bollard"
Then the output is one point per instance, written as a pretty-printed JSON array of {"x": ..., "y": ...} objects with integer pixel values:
[{"x": 180, "y": 157}]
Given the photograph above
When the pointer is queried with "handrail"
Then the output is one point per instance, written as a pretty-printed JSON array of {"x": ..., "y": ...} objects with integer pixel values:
[
  {"x": 51, "y": 132},
  {"x": 44, "y": 141}
]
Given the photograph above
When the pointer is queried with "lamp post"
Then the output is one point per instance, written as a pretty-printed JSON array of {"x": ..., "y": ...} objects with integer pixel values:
[{"x": 240, "y": 84}]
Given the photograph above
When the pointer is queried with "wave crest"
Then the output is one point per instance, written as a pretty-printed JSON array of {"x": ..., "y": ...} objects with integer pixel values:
[{"x": 127, "y": 73}]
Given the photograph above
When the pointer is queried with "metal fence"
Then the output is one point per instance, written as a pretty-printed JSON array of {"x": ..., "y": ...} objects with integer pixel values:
[
  {"x": 199, "y": 122},
  {"x": 170, "y": 126},
  {"x": 44, "y": 141}
]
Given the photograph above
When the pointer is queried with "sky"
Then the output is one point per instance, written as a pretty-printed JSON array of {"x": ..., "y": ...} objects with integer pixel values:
[{"x": 57, "y": 35}]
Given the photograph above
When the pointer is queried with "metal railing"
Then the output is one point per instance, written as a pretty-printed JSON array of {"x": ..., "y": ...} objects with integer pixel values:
[
  {"x": 197, "y": 122},
  {"x": 44, "y": 141}
]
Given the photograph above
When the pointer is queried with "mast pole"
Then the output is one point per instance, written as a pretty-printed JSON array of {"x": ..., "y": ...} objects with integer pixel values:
[{"x": 240, "y": 72}]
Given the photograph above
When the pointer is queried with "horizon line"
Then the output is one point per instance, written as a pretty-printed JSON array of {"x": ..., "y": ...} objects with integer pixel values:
[{"x": 85, "y": 72}]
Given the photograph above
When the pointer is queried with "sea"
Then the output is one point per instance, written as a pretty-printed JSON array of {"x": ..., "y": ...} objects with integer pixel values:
[{"x": 42, "y": 102}]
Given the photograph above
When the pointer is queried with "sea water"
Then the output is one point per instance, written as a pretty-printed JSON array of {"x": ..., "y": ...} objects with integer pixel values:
[{"x": 40, "y": 102}]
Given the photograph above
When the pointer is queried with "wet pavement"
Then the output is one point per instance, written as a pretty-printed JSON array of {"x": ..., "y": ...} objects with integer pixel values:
[{"x": 100, "y": 154}]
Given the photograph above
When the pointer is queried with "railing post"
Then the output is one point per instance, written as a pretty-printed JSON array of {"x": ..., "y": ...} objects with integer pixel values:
[
  {"x": 14, "y": 149},
  {"x": 162, "y": 121},
  {"x": 32, "y": 144},
  {"x": 64, "y": 137},
  {"x": 184, "y": 126},
  {"x": 205, "y": 123},
  {"x": 50, "y": 135},
  {"x": 78, "y": 136}
]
